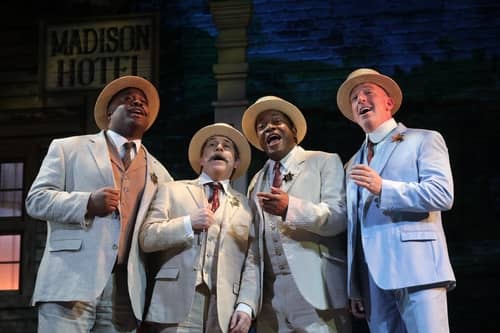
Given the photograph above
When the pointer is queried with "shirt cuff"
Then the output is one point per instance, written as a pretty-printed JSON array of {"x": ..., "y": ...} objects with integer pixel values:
[
  {"x": 187, "y": 226},
  {"x": 245, "y": 308}
]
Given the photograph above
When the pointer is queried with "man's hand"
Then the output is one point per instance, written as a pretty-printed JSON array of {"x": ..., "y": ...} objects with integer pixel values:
[
  {"x": 357, "y": 308},
  {"x": 274, "y": 203},
  {"x": 366, "y": 177},
  {"x": 240, "y": 322},
  {"x": 202, "y": 219},
  {"x": 102, "y": 202}
]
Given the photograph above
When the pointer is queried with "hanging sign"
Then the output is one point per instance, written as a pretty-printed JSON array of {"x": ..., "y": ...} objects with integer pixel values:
[{"x": 87, "y": 54}]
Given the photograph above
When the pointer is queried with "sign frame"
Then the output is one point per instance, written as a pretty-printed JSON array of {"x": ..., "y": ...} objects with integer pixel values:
[{"x": 114, "y": 61}]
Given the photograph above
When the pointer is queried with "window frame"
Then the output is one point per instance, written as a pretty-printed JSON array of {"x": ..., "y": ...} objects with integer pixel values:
[{"x": 28, "y": 154}]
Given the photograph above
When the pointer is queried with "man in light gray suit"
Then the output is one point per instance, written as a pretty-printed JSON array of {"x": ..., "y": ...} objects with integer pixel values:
[
  {"x": 298, "y": 200},
  {"x": 94, "y": 191},
  {"x": 398, "y": 183},
  {"x": 201, "y": 238}
]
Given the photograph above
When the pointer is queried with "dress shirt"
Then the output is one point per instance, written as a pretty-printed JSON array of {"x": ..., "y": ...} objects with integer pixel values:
[
  {"x": 118, "y": 142},
  {"x": 378, "y": 135},
  {"x": 204, "y": 180},
  {"x": 284, "y": 167}
]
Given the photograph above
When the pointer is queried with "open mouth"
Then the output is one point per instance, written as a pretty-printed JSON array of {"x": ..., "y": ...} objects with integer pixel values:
[
  {"x": 218, "y": 157},
  {"x": 273, "y": 139},
  {"x": 364, "y": 110}
]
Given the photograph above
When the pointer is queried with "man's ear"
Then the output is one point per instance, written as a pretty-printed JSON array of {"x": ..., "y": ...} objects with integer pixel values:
[
  {"x": 390, "y": 104},
  {"x": 236, "y": 163},
  {"x": 294, "y": 131}
]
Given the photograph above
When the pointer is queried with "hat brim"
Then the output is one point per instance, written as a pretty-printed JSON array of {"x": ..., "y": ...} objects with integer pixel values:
[
  {"x": 250, "y": 116},
  {"x": 388, "y": 84},
  {"x": 115, "y": 86},
  {"x": 222, "y": 129}
]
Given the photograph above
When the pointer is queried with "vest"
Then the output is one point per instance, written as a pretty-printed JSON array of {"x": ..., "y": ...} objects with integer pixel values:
[
  {"x": 275, "y": 261},
  {"x": 131, "y": 183}
]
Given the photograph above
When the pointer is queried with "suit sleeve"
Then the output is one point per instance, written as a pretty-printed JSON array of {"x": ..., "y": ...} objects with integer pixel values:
[
  {"x": 159, "y": 231},
  {"x": 48, "y": 199},
  {"x": 327, "y": 217},
  {"x": 432, "y": 191}
]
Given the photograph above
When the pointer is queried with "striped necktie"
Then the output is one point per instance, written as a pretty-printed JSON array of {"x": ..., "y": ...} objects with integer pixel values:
[
  {"x": 277, "y": 175},
  {"x": 214, "y": 198}
]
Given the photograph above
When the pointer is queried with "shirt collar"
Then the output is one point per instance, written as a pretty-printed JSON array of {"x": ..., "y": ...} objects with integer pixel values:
[
  {"x": 205, "y": 179},
  {"x": 118, "y": 140},
  {"x": 285, "y": 161},
  {"x": 382, "y": 131}
]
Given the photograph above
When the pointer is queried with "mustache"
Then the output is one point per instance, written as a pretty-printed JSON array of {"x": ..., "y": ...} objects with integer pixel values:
[{"x": 218, "y": 157}]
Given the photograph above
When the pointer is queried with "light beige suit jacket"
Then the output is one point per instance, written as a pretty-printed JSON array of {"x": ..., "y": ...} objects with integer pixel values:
[
  {"x": 177, "y": 256},
  {"x": 80, "y": 253},
  {"x": 313, "y": 233}
]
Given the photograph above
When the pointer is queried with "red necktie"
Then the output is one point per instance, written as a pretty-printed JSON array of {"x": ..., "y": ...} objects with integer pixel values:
[
  {"x": 214, "y": 199},
  {"x": 127, "y": 157},
  {"x": 277, "y": 175},
  {"x": 370, "y": 151}
]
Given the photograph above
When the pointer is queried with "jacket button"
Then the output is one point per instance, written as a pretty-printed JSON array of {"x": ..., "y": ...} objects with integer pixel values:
[{"x": 115, "y": 247}]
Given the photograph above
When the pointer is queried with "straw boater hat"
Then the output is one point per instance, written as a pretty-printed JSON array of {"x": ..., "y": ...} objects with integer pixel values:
[
  {"x": 223, "y": 129},
  {"x": 115, "y": 86},
  {"x": 364, "y": 75},
  {"x": 272, "y": 103}
]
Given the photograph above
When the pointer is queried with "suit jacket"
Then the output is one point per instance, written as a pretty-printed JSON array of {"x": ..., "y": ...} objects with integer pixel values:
[
  {"x": 80, "y": 253},
  {"x": 402, "y": 235},
  {"x": 313, "y": 234},
  {"x": 177, "y": 257}
]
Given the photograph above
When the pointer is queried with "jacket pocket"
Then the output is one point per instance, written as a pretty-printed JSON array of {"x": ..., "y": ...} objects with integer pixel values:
[
  {"x": 335, "y": 259},
  {"x": 408, "y": 236},
  {"x": 168, "y": 273},
  {"x": 65, "y": 245}
]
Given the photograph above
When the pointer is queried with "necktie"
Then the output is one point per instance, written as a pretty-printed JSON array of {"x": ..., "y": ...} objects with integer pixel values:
[
  {"x": 370, "y": 151},
  {"x": 277, "y": 175},
  {"x": 127, "y": 156},
  {"x": 214, "y": 198}
]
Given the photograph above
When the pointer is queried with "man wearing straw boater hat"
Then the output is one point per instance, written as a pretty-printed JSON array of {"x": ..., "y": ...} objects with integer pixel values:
[
  {"x": 94, "y": 191},
  {"x": 398, "y": 183},
  {"x": 298, "y": 200},
  {"x": 201, "y": 236}
]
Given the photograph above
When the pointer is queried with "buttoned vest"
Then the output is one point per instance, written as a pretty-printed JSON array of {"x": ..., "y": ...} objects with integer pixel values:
[
  {"x": 274, "y": 256},
  {"x": 131, "y": 183}
]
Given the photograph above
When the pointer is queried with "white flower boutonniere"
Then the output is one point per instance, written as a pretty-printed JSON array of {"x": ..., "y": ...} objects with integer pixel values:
[
  {"x": 397, "y": 137},
  {"x": 154, "y": 178},
  {"x": 288, "y": 177}
]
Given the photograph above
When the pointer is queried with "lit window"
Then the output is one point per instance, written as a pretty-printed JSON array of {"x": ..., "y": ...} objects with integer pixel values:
[
  {"x": 10, "y": 262},
  {"x": 11, "y": 189}
]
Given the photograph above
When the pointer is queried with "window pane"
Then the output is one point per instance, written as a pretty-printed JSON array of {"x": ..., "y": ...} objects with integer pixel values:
[
  {"x": 10, "y": 248},
  {"x": 11, "y": 176},
  {"x": 11, "y": 203},
  {"x": 9, "y": 276},
  {"x": 10, "y": 254}
]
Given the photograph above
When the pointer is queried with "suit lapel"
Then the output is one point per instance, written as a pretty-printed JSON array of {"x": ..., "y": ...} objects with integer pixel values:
[
  {"x": 197, "y": 193},
  {"x": 230, "y": 206},
  {"x": 150, "y": 187},
  {"x": 352, "y": 188},
  {"x": 381, "y": 157},
  {"x": 258, "y": 186},
  {"x": 294, "y": 169},
  {"x": 98, "y": 148}
]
